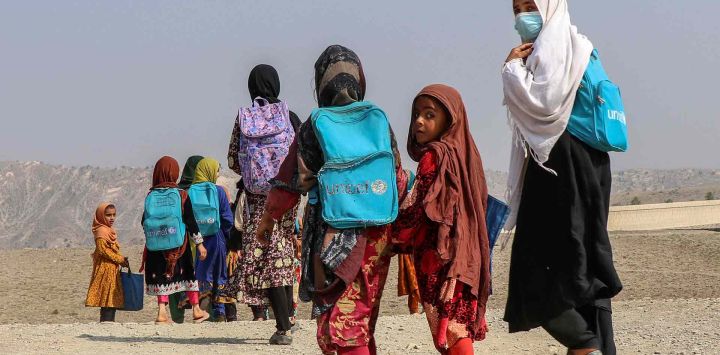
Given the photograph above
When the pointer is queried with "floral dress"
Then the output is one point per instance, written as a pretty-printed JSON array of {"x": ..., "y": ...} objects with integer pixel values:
[
  {"x": 449, "y": 305},
  {"x": 105, "y": 289},
  {"x": 262, "y": 267}
]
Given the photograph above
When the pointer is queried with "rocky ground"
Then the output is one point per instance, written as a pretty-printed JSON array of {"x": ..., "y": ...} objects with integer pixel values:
[
  {"x": 642, "y": 327},
  {"x": 670, "y": 305}
]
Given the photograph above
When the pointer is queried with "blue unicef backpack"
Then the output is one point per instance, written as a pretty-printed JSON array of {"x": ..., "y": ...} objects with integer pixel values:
[
  {"x": 206, "y": 207},
  {"x": 163, "y": 224},
  {"x": 357, "y": 185},
  {"x": 598, "y": 116}
]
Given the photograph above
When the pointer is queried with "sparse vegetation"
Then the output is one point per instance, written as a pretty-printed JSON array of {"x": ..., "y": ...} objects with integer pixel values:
[
  {"x": 710, "y": 196},
  {"x": 635, "y": 201}
]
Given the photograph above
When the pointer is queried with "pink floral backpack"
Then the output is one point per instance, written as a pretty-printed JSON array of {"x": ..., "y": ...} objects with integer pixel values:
[{"x": 260, "y": 142}]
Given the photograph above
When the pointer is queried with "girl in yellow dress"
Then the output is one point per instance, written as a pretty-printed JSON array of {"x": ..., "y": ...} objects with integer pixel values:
[{"x": 105, "y": 290}]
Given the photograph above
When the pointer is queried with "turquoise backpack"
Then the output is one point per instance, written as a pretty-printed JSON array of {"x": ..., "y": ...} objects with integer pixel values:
[
  {"x": 357, "y": 185},
  {"x": 598, "y": 116},
  {"x": 206, "y": 207},
  {"x": 163, "y": 224}
]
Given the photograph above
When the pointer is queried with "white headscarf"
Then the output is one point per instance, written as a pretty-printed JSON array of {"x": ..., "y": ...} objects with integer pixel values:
[{"x": 540, "y": 94}]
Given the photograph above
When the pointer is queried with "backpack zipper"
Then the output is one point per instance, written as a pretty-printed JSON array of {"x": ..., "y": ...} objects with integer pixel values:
[{"x": 349, "y": 164}]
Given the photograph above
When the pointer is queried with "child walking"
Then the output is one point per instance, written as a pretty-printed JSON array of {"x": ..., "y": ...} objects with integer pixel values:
[
  {"x": 105, "y": 290},
  {"x": 171, "y": 271},
  {"x": 178, "y": 301},
  {"x": 265, "y": 272},
  {"x": 442, "y": 221},
  {"x": 211, "y": 271},
  {"x": 343, "y": 270}
]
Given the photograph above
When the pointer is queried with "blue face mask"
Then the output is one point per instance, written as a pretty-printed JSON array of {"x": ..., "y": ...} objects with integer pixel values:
[{"x": 529, "y": 25}]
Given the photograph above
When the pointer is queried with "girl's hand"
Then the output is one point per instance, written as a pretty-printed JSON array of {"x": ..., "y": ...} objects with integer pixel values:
[
  {"x": 265, "y": 227},
  {"x": 126, "y": 263},
  {"x": 203, "y": 252},
  {"x": 520, "y": 52}
]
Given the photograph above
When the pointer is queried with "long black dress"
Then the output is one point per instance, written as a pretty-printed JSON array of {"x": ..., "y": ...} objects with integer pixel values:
[
  {"x": 561, "y": 255},
  {"x": 157, "y": 282}
]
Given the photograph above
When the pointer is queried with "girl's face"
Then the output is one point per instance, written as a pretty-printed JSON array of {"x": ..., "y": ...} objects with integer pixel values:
[
  {"x": 110, "y": 215},
  {"x": 520, "y": 6},
  {"x": 429, "y": 120}
]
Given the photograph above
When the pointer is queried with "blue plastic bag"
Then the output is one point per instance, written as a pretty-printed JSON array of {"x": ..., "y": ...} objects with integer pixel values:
[
  {"x": 496, "y": 215},
  {"x": 133, "y": 286}
]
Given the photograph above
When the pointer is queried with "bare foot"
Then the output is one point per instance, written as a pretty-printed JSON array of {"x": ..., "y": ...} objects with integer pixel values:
[
  {"x": 200, "y": 317},
  {"x": 162, "y": 317},
  {"x": 163, "y": 321}
]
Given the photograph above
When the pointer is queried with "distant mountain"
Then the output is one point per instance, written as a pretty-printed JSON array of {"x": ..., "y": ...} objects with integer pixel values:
[
  {"x": 660, "y": 186},
  {"x": 48, "y": 206}
]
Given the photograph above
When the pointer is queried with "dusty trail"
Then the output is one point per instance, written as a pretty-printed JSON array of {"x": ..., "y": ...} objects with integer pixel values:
[
  {"x": 670, "y": 305},
  {"x": 642, "y": 327}
]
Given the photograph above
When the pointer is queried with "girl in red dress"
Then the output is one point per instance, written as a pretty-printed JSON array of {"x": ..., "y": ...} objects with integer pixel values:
[{"x": 442, "y": 221}]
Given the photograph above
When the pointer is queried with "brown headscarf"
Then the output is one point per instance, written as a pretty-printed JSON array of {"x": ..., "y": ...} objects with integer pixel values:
[
  {"x": 101, "y": 227},
  {"x": 457, "y": 200},
  {"x": 165, "y": 176},
  {"x": 166, "y": 173}
]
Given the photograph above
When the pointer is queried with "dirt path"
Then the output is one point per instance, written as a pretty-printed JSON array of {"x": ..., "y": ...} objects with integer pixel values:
[
  {"x": 642, "y": 327},
  {"x": 670, "y": 304}
]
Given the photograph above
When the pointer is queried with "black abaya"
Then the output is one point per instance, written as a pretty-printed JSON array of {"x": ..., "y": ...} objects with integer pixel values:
[{"x": 561, "y": 254}]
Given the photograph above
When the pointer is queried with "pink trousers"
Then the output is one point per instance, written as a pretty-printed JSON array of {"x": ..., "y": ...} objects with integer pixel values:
[{"x": 193, "y": 298}]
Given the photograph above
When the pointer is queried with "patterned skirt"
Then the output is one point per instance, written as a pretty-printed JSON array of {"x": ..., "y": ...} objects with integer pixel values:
[
  {"x": 262, "y": 267},
  {"x": 158, "y": 283},
  {"x": 351, "y": 321}
]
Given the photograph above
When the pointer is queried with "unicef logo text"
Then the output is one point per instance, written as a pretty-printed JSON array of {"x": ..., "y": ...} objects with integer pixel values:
[
  {"x": 378, "y": 187},
  {"x": 163, "y": 232},
  {"x": 206, "y": 221}
]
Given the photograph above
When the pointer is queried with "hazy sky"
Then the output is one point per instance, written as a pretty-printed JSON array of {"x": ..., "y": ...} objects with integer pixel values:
[{"x": 123, "y": 82}]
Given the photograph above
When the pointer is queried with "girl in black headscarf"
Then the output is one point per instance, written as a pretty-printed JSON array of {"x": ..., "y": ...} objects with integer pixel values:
[
  {"x": 345, "y": 290},
  {"x": 265, "y": 272},
  {"x": 178, "y": 301},
  {"x": 263, "y": 82}
]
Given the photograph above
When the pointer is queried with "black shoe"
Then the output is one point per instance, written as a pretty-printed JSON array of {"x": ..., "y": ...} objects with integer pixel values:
[{"x": 281, "y": 338}]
